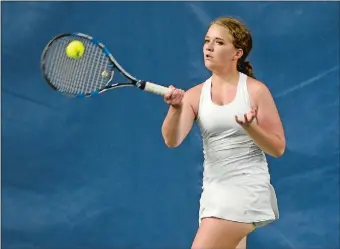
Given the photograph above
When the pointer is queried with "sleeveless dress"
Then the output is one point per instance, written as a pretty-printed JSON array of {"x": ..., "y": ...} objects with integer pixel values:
[{"x": 236, "y": 181}]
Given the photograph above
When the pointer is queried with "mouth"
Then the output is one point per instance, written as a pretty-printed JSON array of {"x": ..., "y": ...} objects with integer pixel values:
[{"x": 208, "y": 56}]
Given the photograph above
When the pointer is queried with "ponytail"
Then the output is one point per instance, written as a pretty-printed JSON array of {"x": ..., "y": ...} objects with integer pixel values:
[{"x": 246, "y": 68}]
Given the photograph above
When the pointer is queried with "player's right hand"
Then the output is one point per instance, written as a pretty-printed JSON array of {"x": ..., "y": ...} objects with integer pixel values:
[{"x": 174, "y": 97}]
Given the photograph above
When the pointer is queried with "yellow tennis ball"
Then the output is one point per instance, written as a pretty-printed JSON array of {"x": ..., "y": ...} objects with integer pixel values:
[
  {"x": 75, "y": 49},
  {"x": 105, "y": 74}
]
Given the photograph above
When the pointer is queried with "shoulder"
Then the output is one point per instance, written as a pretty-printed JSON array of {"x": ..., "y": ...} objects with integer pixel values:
[
  {"x": 192, "y": 96},
  {"x": 194, "y": 91},
  {"x": 257, "y": 90}
]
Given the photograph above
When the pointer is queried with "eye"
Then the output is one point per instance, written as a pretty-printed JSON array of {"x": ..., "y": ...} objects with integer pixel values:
[
  {"x": 206, "y": 40},
  {"x": 220, "y": 42}
]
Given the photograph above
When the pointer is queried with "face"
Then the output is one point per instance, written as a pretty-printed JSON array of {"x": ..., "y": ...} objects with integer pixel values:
[{"x": 218, "y": 50}]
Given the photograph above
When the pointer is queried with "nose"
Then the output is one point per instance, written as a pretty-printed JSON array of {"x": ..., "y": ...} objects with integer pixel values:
[{"x": 209, "y": 47}]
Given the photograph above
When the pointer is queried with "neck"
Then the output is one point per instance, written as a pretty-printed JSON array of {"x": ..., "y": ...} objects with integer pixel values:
[{"x": 229, "y": 78}]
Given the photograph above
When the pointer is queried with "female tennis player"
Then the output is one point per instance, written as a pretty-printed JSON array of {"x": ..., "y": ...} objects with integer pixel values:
[{"x": 239, "y": 122}]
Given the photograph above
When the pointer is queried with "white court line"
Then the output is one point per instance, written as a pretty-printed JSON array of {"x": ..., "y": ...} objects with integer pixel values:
[
  {"x": 290, "y": 244},
  {"x": 307, "y": 82},
  {"x": 201, "y": 15}
]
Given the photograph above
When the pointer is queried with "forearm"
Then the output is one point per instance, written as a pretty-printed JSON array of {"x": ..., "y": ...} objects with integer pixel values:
[
  {"x": 171, "y": 127},
  {"x": 268, "y": 142}
]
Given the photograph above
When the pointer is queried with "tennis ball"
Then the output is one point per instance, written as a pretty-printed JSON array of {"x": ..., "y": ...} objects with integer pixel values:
[
  {"x": 105, "y": 74},
  {"x": 75, "y": 49}
]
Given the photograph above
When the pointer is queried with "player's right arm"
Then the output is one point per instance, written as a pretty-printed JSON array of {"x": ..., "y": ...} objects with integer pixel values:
[{"x": 181, "y": 115}]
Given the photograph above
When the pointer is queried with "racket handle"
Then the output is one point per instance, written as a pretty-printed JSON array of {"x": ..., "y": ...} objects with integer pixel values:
[{"x": 153, "y": 88}]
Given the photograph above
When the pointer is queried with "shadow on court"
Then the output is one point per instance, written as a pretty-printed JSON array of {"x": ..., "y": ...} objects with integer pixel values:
[{"x": 95, "y": 173}]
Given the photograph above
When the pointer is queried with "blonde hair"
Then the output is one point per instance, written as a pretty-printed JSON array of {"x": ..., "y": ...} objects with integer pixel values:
[{"x": 242, "y": 39}]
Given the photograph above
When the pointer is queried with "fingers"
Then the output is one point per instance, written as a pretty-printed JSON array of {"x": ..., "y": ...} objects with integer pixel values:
[
  {"x": 174, "y": 97},
  {"x": 238, "y": 121},
  {"x": 168, "y": 95},
  {"x": 248, "y": 117},
  {"x": 253, "y": 112},
  {"x": 245, "y": 118}
]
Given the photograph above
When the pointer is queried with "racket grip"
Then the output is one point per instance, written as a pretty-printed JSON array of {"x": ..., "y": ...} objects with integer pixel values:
[{"x": 154, "y": 88}]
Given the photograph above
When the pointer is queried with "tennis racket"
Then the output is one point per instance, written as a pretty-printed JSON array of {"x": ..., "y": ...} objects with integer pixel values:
[{"x": 92, "y": 73}]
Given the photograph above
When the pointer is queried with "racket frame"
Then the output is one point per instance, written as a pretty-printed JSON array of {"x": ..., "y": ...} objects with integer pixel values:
[{"x": 140, "y": 84}]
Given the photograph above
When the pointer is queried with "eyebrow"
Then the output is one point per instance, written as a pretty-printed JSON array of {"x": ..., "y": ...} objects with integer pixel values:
[{"x": 217, "y": 38}]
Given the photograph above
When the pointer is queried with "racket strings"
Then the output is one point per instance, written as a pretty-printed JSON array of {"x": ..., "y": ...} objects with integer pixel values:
[{"x": 84, "y": 75}]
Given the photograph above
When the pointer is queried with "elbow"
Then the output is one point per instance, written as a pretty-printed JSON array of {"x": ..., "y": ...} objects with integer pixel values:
[
  {"x": 280, "y": 151},
  {"x": 170, "y": 140},
  {"x": 170, "y": 143}
]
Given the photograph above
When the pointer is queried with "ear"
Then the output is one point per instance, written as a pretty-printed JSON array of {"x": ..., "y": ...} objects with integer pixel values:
[{"x": 238, "y": 54}]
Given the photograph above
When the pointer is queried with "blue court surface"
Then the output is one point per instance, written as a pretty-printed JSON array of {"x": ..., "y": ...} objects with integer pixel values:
[{"x": 95, "y": 173}]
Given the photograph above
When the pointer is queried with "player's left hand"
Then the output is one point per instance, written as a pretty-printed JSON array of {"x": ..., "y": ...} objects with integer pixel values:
[{"x": 248, "y": 117}]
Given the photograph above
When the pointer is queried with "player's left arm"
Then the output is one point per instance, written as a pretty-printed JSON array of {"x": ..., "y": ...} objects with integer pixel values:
[{"x": 267, "y": 132}]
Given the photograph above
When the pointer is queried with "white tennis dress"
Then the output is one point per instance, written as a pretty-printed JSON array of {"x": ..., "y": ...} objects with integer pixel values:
[{"x": 236, "y": 181}]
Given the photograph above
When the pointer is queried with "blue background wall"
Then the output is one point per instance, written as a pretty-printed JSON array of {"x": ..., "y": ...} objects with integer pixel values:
[{"x": 95, "y": 173}]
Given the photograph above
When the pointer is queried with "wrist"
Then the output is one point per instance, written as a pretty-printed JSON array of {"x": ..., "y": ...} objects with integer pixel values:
[{"x": 176, "y": 107}]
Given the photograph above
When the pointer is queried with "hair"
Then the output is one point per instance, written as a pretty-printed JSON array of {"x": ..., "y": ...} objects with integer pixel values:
[{"x": 242, "y": 39}]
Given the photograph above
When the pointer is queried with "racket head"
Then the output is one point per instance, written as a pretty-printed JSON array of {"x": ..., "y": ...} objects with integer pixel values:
[{"x": 88, "y": 75}]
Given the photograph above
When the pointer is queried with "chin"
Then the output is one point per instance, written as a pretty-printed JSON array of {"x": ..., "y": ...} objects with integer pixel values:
[
  {"x": 208, "y": 64},
  {"x": 211, "y": 66}
]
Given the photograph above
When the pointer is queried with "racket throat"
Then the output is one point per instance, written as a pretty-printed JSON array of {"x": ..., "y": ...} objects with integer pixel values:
[{"x": 141, "y": 84}]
